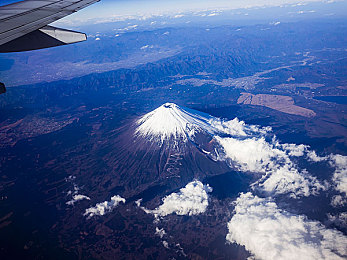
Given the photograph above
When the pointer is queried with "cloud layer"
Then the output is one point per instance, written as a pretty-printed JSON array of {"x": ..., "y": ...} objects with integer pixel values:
[
  {"x": 271, "y": 233},
  {"x": 102, "y": 208},
  {"x": 274, "y": 161},
  {"x": 109, "y": 11},
  {"x": 339, "y": 179},
  {"x": 265, "y": 230},
  {"x": 340, "y": 174},
  {"x": 190, "y": 200}
]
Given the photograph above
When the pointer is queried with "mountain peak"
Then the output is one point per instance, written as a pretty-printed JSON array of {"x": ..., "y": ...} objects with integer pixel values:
[
  {"x": 170, "y": 105},
  {"x": 171, "y": 121}
]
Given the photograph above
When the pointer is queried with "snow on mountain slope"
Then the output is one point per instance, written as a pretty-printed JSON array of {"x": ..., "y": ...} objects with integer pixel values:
[{"x": 171, "y": 122}]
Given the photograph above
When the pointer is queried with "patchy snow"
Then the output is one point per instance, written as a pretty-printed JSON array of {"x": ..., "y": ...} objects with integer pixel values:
[{"x": 160, "y": 232}]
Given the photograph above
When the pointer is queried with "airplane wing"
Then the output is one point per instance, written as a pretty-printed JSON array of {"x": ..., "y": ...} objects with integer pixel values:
[{"x": 24, "y": 25}]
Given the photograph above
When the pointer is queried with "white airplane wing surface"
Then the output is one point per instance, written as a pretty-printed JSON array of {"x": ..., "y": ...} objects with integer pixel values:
[{"x": 24, "y": 25}]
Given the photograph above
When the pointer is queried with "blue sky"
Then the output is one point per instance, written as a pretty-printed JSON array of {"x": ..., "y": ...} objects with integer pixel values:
[
  {"x": 110, "y": 9},
  {"x": 134, "y": 6},
  {"x": 107, "y": 10},
  {"x": 5, "y": 2},
  {"x": 184, "y": 4}
]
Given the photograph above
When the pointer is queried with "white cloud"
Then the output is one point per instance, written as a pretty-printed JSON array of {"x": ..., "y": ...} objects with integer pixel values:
[
  {"x": 299, "y": 4},
  {"x": 339, "y": 179},
  {"x": 147, "y": 47},
  {"x": 113, "y": 11},
  {"x": 312, "y": 156},
  {"x": 340, "y": 174},
  {"x": 338, "y": 201},
  {"x": 295, "y": 149},
  {"x": 271, "y": 233},
  {"x": 102, "y": 208},
  {"x": 238, "y": 128},
  {"x": 128, "y": 28},
  {"x": 213, "y": 14},
  {"x": 190, "y": 200},
  {"x": 289, "y": 180},
  {"x": 76, "y": 198},
  {"x": 251, "y": 154},
  {"x": 273, "y": 160},
  {"x": 306, "y": 12},
  {"x": 339, "y": 220}
]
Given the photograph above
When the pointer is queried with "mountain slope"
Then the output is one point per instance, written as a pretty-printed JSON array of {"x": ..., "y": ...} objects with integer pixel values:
[{"x": 169, "y": 147}]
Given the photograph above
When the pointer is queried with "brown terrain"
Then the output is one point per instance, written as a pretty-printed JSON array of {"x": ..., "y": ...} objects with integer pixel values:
[
  {"x": 283, "y": 104},
  {"x": 30, "y": 127}
]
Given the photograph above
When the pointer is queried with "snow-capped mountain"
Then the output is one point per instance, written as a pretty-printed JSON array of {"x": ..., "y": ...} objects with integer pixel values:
[
  {"x": 171, "y": 122},
  {"x": 174, "y": 125},
  {"x": 172, "y": 145}
]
